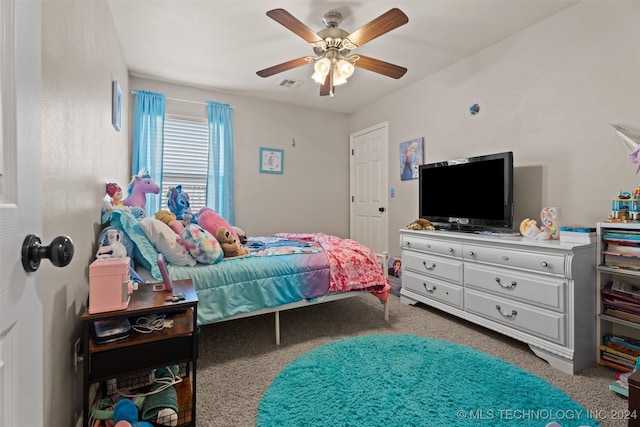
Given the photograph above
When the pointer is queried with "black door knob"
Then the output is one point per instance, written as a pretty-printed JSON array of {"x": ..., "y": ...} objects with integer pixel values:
[
  {"x": 59, "y": 252},
  {"x": 381, "y": 209}
]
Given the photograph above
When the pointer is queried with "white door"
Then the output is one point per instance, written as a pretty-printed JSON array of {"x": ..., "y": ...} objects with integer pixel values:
[
  {"x": 21, "y": 328},
  {"x": 369, "y": 176}
]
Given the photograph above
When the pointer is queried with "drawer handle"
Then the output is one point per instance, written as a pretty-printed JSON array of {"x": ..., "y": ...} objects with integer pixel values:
[
  {"x": 508, "y": 316},
  {"x": 505, "y": 258},
  {"x": 510, "y": 286},
  {"x": 430, "y": 290},
  {"x": 544, "y": 264},
  {"x": 408, "y": 244},
  {"x": 450, "y": 250},
  {"x": 433, "y": 266},
  {"x": 428, "y": 246},
  {"x": 471, "y": 253}
]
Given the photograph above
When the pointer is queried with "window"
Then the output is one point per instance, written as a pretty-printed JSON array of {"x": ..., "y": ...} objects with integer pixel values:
[{"x": 184, "y": 159}]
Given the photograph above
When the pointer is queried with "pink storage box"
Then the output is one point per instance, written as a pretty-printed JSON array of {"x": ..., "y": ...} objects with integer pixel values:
[{"x": 109, "y": 285}]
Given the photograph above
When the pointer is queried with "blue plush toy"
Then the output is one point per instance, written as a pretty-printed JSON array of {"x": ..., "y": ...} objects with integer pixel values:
[
  {"x": 178, "y": 204},
  {"x": 125, "y": 414}
]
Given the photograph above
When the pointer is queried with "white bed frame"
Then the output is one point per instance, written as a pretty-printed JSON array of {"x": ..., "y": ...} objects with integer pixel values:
[{"x": 298, "y": 304}]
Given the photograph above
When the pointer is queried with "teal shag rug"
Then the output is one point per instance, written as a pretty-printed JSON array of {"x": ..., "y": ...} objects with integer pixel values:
[{"x": 407, "y": 380}]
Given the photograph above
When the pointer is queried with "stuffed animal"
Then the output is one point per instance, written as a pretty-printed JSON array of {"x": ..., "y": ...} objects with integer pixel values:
[
  {"x": 421, "y": 224},
  {"x": 211, "y": 221},
  {"x": 125, "y": 414},
  {"x": 178, "y": 203},
  {"x": 529, "y": 228},
  {"x": 242, "y": 236},
  {"x": 230, "y": 245},
  {"x": 170, "y": 219},
  {"x": 111, "y": 245}
]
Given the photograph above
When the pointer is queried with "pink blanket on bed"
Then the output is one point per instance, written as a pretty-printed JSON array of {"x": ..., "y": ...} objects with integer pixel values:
[{"x": 353, "y": 266}]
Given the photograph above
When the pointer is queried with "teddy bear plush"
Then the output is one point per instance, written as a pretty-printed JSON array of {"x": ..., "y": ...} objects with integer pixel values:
[
  {"x": 170, "y": 219},
  {"x": 230, "y": 245}
]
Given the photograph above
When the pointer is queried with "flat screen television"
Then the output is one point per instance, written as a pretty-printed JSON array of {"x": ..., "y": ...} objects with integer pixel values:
[{"x": 469, "y": 194}]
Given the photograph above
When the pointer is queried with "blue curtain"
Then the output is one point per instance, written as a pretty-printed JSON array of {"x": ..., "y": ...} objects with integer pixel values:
[
  {"x": 148, "y": 137},
  {"x": 220, "y": 163}
]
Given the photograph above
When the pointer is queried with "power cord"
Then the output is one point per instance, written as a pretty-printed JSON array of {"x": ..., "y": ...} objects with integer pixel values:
[{"x": 147, "y": 325}]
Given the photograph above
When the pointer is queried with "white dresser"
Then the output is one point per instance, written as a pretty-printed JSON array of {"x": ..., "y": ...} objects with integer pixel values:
[{"x": 540, "y": 292}]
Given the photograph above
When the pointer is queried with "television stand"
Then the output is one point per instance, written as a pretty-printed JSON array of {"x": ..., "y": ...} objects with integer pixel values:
[{"x": 542, "y": 293}]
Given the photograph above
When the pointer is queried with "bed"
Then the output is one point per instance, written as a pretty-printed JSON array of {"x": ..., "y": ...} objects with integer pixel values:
[{"x": 281, "y": 272}]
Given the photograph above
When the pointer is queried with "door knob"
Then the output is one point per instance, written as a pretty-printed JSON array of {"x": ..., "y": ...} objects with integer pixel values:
[
  {"x": 59, "y": 252},
  {"x": 381, "y": 209}
]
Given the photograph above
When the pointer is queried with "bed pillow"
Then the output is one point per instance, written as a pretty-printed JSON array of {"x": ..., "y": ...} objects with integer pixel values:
[
  {"x": 167, "y": 242},
  {"x": 211, "y": 221},
  {"x": 202, "y": 245},
  {"x": 144, "y": 253}
]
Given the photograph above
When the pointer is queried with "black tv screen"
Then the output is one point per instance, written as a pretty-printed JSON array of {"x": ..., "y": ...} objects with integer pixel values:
[{"x": 469, "y": 194}]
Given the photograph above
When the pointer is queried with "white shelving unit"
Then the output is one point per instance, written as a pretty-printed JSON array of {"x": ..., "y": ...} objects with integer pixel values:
[{"x": 607, "y": 324}]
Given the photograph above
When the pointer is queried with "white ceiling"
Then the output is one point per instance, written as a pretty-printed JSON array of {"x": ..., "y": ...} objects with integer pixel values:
[{"x": 220, "y": 44}]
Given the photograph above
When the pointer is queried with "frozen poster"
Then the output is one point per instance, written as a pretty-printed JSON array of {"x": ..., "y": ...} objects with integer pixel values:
[{"x": 410, "y": 158}]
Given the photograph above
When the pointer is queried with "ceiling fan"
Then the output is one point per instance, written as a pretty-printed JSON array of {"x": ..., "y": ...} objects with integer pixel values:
[{"x": 332, "y": 46}]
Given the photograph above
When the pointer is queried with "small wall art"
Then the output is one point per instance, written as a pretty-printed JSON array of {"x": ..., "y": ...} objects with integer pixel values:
[
  {"x": 410, "y": 158},
  {"x": 116, "y": 105},
  {"x": 271, "y": 160}
]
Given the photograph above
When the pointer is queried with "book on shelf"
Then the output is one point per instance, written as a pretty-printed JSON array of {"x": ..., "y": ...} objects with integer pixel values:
[
  {"x": 608, "y": 291},
  {"x": 615, "y": 366},
  {"x": 625, "y": 288},
  {"x": 617, "y": 360},
  {"x": 619, "y": 344},
  {"x": 611, "y": 350},
  {"x": 617, "y": 249},
  {"x": 620, "y": 314},
  {"x": 622, "y": 261}
]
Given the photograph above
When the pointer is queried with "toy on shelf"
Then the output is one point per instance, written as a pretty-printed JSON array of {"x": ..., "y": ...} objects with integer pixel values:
[{"x": 626, "y": 207}]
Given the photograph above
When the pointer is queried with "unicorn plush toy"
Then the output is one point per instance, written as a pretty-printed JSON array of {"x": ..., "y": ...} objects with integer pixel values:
[{"x": 139, "y": 186}]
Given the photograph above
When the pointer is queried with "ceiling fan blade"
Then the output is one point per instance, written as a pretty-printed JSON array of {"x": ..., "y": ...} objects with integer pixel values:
[
  {"x": 325, "y": 88},
  {"x": 285, "y": 66},
  {"x": 384, "y": 23},
  {"x": 292, "y": 23},
  {"x": 381, "y": 67}
]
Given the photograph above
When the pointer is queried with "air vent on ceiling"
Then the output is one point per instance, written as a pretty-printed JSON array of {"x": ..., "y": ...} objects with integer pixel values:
[{"x": 289, "y": 83}]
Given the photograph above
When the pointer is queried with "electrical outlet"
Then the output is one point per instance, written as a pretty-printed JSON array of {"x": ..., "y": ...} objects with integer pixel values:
[{"x": 77, "y": 354}]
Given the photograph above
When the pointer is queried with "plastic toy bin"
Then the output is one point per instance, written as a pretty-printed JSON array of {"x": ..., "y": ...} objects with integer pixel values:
[{"x": 109, "y": 285}]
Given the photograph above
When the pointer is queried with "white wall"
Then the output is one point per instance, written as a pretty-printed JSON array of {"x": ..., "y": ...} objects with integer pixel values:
[
  {"x": 548, "y": 94},
  {"x": 312, "y": 194},
  {"x": 81, "y": 152}
]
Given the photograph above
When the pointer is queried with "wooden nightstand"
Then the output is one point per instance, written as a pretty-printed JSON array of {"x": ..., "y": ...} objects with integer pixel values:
[{"x": 139, "y": 352}]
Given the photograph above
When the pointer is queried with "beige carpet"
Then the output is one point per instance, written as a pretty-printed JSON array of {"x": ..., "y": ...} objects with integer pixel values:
[{"x": 239, "y": 359}]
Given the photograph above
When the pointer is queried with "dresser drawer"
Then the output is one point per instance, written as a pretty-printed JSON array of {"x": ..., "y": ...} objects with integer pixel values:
[
  {"x": 435, "y": 266},
  {"x": 540, "y": 290},
  {"x": 536, "y": 321},
  {"x": 433, "y": 288},
  {"x": 542, "y": 262},
  {"x": 433, "y": 246}
]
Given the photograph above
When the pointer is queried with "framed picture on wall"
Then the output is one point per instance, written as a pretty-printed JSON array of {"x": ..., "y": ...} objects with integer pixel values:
[
  {"x": 271, "y": 160},
  {"x": 410, "y": 158},
  {"x": 116, "y": 105}
]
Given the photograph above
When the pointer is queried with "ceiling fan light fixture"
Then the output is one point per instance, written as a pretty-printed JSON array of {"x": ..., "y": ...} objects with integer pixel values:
[
  {"x": 322, "y": 68},
  {"x": 345, "y": 68}
]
